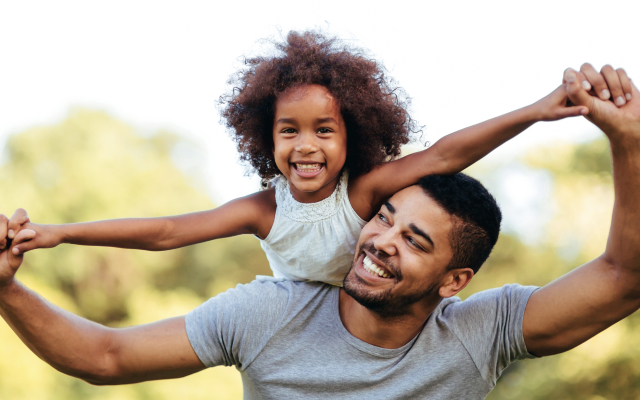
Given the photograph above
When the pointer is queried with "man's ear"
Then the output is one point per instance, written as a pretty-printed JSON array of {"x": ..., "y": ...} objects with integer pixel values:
[{"x": 454, "y": 281}]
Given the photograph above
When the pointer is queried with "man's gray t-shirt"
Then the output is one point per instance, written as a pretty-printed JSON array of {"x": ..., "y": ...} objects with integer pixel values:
[{"x": 287, "y": 340}]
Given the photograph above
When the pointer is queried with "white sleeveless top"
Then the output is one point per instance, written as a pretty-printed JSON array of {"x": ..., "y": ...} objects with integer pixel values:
[{"x": 312, "y": 241}]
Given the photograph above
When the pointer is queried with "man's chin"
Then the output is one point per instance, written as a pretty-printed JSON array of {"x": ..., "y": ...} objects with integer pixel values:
[
  {"x": 356, "y": 287},
  {"x": 383, "y": 302}
]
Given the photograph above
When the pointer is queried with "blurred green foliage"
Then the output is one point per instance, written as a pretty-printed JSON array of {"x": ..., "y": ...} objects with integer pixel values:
[{"x": 92, "y": 166}]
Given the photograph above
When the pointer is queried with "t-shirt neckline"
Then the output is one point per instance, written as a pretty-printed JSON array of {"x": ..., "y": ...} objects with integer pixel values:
[{"x": 360, "y": 344}]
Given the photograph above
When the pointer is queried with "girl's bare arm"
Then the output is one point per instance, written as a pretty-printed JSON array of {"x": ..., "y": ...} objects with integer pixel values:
[
  {"x": 454, "y": 152},
  {"x": 252, "y": 214}
]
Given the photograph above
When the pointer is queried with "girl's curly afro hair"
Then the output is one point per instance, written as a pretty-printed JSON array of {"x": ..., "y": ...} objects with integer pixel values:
[{"x": 374, "y": 111}]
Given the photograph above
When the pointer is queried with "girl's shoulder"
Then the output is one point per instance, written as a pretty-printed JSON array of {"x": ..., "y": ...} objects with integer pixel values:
[
  {"x": 360, "y": 190},
  {"x": 265, "y": 199},
  {"x": 263, "y": 204}
]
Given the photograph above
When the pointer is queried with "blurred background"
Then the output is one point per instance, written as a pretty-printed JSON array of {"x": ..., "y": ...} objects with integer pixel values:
[{"x": 108, "y": 110}]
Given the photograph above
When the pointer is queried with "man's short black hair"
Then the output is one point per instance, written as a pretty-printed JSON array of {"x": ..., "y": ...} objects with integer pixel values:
[{"x": 476, "y": 217}]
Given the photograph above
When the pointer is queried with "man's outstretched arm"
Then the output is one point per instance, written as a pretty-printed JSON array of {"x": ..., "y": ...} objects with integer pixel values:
[
  {"x": 584, "y": 302},
  {"x": 89, "y": 351}
]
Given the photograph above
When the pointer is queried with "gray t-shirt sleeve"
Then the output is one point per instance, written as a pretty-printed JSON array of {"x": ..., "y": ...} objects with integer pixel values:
[
  {"x": 232, "y": 328},
  {"x": 489, "y": 325}
]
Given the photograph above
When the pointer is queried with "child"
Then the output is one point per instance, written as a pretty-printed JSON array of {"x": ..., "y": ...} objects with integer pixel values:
[{"x": 323, "y": 123}]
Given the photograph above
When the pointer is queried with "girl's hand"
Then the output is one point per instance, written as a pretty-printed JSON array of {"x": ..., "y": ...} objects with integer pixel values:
[
  {"x": 557, "y": 106},
  {"x": 46, "y": 236}
]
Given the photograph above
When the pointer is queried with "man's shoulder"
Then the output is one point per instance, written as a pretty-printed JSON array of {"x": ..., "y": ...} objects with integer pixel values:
[
  {"x": 233, "y": 327},
  {"x": 486, "y": 300},
  {"x": 488, "y": 324}
]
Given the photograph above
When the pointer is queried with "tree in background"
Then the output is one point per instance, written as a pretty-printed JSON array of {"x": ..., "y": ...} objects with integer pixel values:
[{"x": 91, "y": 167}]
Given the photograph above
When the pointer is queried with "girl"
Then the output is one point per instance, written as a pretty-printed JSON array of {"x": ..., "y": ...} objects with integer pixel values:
[{"x": 323, "y": 123}]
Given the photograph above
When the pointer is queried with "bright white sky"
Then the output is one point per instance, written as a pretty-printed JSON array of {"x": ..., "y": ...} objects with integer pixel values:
[{"x": 163, "y": 64}]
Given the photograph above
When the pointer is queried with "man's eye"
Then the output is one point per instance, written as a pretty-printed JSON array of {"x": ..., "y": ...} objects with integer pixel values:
[
  {"x": 382, "y": 217},
  {"x": 413, "y": 242}
]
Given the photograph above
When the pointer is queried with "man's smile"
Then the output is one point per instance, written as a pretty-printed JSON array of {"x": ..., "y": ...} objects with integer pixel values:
[{"x": 372, "y": 268}]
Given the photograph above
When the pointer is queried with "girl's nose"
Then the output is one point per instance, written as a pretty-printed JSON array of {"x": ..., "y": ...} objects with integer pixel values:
[
  {"x": 386, "y": 242},
  {"x": 306, "y": 143}
]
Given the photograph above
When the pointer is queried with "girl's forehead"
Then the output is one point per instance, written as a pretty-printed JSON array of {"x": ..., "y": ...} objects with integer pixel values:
[
  {"x": 309, "y": 101},
  {"x": 301, "y": 92}
]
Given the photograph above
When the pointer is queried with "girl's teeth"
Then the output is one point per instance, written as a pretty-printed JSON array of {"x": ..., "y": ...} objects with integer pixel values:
[{"x": 307, "y": 167}]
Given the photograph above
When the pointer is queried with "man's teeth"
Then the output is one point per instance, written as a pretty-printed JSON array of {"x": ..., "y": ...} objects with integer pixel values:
[
  {"x": 369, "y": 266},
  {"x": 308, "y": 167}
]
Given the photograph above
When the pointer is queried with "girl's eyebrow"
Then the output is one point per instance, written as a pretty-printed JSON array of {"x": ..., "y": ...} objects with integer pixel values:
[
  {"x": 285, "y": 121},
  {"x": 318, "y": 121},
  {"x": 328, "y": 119}
]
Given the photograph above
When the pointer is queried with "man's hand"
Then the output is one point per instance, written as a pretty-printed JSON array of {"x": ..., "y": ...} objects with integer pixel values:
[
  {"x": 10, "y": 262},
  {"x": 46, "y": 236},
  {"x": 621, "y": 118}
]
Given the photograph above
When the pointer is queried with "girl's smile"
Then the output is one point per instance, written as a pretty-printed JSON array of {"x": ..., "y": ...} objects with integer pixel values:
[
  {"x": 308, "y": 170},
  {"x": 309, "y": 141}
]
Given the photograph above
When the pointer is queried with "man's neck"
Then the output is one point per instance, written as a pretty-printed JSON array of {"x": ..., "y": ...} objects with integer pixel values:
[{"x": 389, "y": 332}]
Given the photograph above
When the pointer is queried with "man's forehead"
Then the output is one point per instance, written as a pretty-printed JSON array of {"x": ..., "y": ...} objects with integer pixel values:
[
  {"x": 414, "y": 193},
  {"x": 416, "y": 205}
]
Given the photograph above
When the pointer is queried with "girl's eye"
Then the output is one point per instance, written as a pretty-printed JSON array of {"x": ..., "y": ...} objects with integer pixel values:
[
  {"x": 288, "y": 130},
  {"x": 324, "y": 130},
  {"x": 383, "y": 218}
]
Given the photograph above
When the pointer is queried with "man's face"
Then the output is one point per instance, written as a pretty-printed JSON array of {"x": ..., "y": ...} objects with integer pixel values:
[{"x": 402, "y": 254}]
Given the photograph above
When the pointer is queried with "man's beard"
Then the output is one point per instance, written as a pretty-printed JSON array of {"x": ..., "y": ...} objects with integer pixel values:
[{"x": 385, "y": 303}]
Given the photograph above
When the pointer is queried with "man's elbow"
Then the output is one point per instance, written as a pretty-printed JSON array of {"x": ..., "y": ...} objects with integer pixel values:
[
  {"x": 104, "y": 373},
  {"x": 95, "y": 374},
  {"x": 625, "y": 275},
  {"x": 102, "y": 368}
]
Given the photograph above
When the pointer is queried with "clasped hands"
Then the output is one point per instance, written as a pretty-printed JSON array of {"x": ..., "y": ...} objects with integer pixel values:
[
  {"x": 12, "y": 232},
  {"x": 611, "y": 97}
]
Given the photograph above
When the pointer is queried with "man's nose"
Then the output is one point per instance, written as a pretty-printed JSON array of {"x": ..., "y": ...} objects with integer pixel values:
[
  {"x": 387, "y": 242},
  {"x": 306, "y": 143}
]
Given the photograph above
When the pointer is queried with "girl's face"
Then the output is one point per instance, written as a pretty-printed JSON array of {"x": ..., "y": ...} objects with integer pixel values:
[{"x": 309, "y": 141}]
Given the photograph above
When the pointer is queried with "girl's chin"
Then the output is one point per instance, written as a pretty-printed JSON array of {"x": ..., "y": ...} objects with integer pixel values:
[
  {"x": 310, "y": 192},
  {"x": 306, "y": 188}
]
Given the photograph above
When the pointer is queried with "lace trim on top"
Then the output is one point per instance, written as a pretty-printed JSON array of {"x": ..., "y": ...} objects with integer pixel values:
[{"x": 309, "y": 212}]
